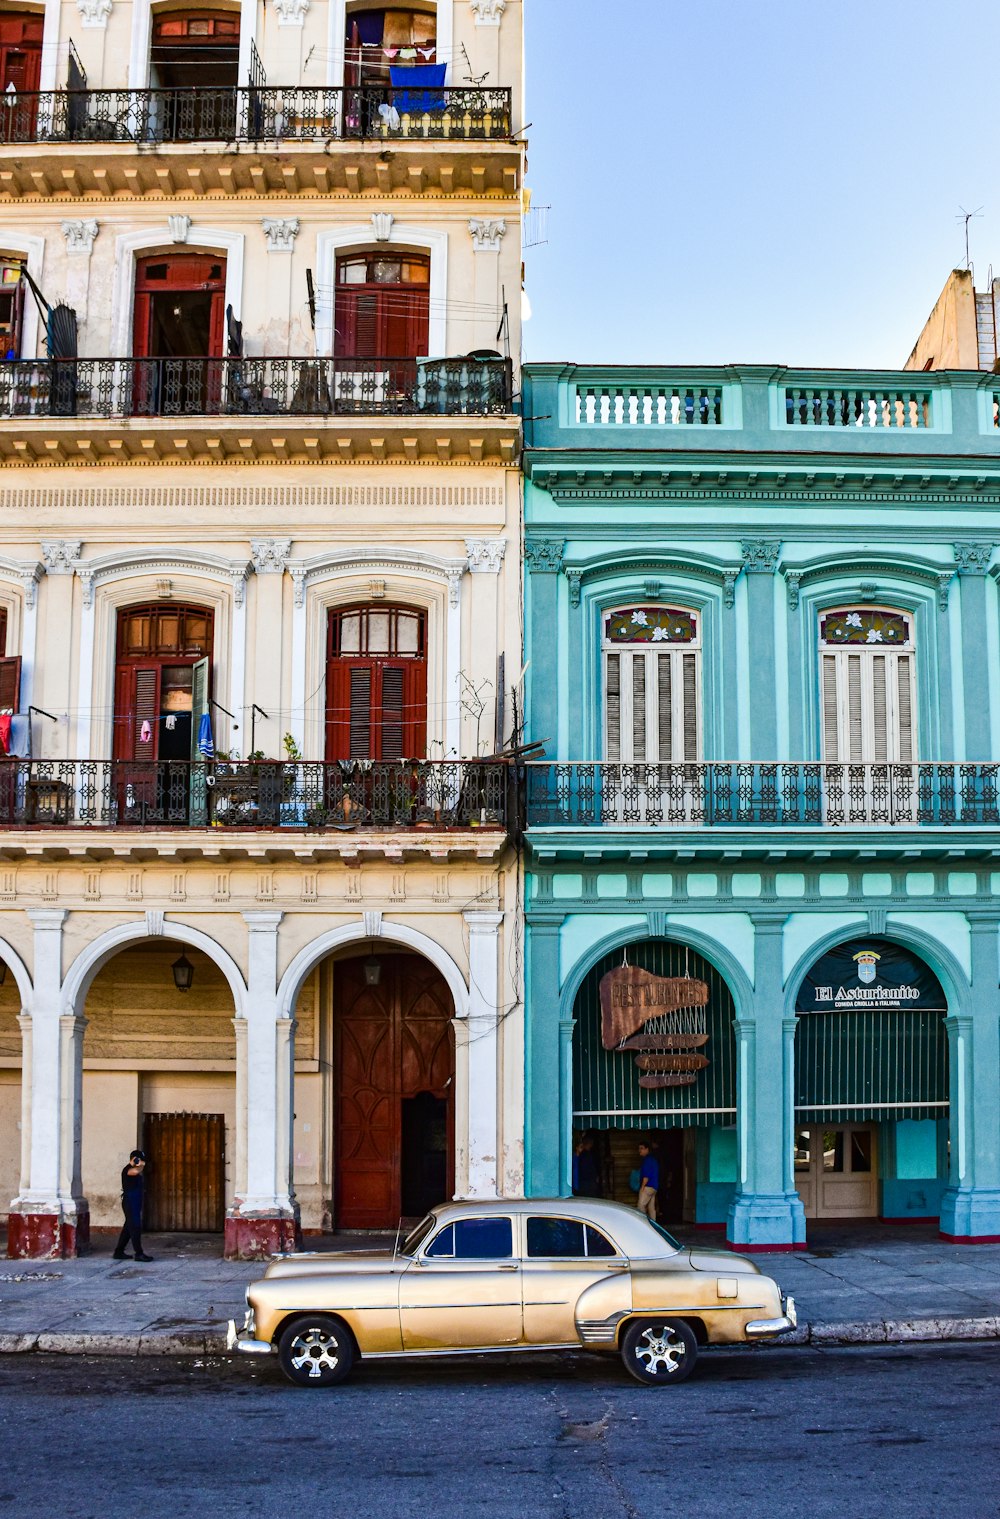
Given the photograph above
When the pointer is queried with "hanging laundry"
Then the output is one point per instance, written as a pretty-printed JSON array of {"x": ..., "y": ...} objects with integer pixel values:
[
  {"x": 5, "y": 722},
  {"x": 427, "y": 52},
  {"x": 170, "y": 722},
  {"x": 20, "y": 736},
  {"x": 145, "y": 732},
  {"x": 206, "y": 743}
]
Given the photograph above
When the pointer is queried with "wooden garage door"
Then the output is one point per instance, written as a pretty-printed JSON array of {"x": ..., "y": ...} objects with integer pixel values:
[{"x": 186, "y": 1170}]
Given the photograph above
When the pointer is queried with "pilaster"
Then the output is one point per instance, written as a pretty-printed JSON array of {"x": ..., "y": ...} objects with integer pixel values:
[
  {"x": 543, "y": 561},
  {"x": 484, "y": 1146},
  {"x": 545, "y": 1076},
  {"x": 970, "y": 1208}
]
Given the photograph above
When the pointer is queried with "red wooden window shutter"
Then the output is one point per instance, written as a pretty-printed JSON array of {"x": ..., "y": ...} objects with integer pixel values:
[
  {"x": 10, "y": 683},
  {"x": 137, "y": 701}
]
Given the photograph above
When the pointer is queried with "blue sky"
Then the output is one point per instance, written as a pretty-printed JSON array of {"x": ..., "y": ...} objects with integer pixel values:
[{"x": 755, "y": 180}]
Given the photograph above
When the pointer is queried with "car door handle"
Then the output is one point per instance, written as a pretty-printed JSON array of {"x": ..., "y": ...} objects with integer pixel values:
[{"x": 505, "y": 1267}]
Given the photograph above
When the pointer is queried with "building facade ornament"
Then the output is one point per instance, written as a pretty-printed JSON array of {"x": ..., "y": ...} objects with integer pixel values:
[
  {"x": 179, "y": 226},
  {"x": 79, "y": 235},
  {"x": 944, "y": 586},
  {"x": 239, "y": 580},
  {"x": 86, "y": 575},
  {"x": 270, "y": 555},
  {"x": 281, "y": 232},
  {"x": 544, "y": 555},
  {"x": 485, "y": 555},
  {"x": 868, "y": 590},
  {"x": 60, "y": 555},
  {"x": 298, "y": 573},
  {"x": 488, "y": 12},
  {"x": 382, "y": 225},
  {"x": 373, "y": 923},
  {"x": 154, "y": 922},
  {"x": 455, "y": 587},
  {"x": 94, "y": 13},
  {"x": 30, "y": 576},
  {"x": 973, "y": 558},
  {"x": 760, "y": 555},
  {"x": 291, "y": 12},
  {"x": 793, "y": 580},
  {"x": 574, "y": 579},
  {"x": 487, "y": 233},
  {"x": 729, "y": 580}
]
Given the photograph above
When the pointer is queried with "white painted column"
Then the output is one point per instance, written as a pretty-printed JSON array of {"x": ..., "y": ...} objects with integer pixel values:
[
  {"x": 267, "y": 1190},
  {"x": 484, "y": 1142},
  {"x": 24, "y": 1182},
  {"x": 83, "y": 737},
  {"x": 238, "y": 679},
  {"x": 29, "y": 636},
  {"x": 485, "y": 559},
  {"x": 453, "y": 668},
  {"x": 48, "y": 77},
  {"x": 242, "y": 1116},
  {"x": 248, "y": 35},
  {"x": 46, "y": 1059},
  {"x": 297, "y": 716}
]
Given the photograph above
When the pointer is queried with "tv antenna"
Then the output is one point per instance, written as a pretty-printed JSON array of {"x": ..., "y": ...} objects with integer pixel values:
[{"x": 967, "y": 217}]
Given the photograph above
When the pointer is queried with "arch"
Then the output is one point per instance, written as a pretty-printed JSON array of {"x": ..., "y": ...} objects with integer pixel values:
[
  {"x": 358, "y": 933},
  {"x": 426, "y": 239},
  {"x": 128, "y": 244},
  {"x": 337, "y": 31},
  {"x": 942, "y": 962},
  {"x": 716, "y": 954},
  {"x": 13, "y": 961},
  {"x": 142, "y": 29},
  {"x": 33, "y": 249},
  {"x": 90, "y": 960}
]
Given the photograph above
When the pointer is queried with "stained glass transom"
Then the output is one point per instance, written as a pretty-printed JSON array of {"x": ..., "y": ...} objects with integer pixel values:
[
  {"x": 651, "y": 625},
  {"x": 865, "y": 626}
]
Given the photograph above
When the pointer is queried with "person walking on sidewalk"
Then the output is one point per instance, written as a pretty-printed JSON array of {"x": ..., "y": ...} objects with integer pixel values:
[
  {"x": 133, "y": 1195},
  {"x": 649, "y": 1182}
]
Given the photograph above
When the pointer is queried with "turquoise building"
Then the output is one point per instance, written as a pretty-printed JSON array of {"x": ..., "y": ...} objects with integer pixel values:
[{"x": 763, "y": 655}]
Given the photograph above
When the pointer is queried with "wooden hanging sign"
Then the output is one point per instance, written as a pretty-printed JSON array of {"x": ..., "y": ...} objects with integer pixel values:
[{"x": 631, "y": 996}]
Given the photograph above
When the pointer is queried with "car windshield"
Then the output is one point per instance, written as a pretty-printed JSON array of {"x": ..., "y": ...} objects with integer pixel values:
[
  {"x": 416, "y": 1237},
  {"x": 661, "y": 1231}
]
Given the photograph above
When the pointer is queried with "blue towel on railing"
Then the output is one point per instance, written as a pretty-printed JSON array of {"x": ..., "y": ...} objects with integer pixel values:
[
  {"x": 206, "y": 743},
  {"x": 418, "y": 88}
]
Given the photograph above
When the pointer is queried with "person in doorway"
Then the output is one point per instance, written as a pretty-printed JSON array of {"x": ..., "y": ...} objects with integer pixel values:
[
  {"x": 585, "y": 1177},
  {"x": 133, "y": 1196},
  {"x": 649, "y": 1182}
]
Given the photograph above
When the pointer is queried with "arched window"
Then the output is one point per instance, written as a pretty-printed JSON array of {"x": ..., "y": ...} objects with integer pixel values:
[
  {"x": 380, "y": 37},
  {"x": 376, "y": 683},
  {"x": 162, "y": 680},
  {"x": 652, "y": 684},
  {"x": 382, "y": 305},
  {"x": 194, "y": 49},
  {"x": 867, "y": 679}
]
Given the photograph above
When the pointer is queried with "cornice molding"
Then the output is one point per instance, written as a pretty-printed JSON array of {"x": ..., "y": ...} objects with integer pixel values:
[{"x": 128, "y": 562}]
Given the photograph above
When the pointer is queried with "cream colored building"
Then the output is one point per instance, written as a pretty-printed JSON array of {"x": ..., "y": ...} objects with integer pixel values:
[
  {"x": 963, "y": 329},
  {"x": 267, "y": 503}
]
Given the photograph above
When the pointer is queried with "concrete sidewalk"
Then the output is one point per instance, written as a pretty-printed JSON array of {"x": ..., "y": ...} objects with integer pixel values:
[{"x": 853, "y": 1286}]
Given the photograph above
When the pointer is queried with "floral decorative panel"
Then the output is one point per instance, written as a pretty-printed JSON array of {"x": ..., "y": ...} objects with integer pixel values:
[
  {"x": 865, "y": 625},
  {"x": 651, "y": 625}
]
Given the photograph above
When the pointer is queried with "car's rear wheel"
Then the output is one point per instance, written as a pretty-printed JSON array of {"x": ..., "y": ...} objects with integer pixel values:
[
  {"x": 316, "y": 1351},
  {"x": 658, "y": 1351}
]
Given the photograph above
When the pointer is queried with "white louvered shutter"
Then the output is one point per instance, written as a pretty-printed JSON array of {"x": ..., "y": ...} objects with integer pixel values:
[
  {"x": 868, "y": 706},
  {"x": 652, "y": 705}
]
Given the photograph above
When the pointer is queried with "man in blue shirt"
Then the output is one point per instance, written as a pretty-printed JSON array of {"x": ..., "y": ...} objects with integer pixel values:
[{"x": 649, "y": 1182}]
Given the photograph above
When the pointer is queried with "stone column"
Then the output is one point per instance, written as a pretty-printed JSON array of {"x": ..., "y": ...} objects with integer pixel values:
[
  {"x": 972, "y": 562},
  {"x": 970, "y": 1208},
  {"x": 546, "y": 1104},
  {"x": 485, "y": 558},
  {"x": 49, "y": 1218},
  {"x": 484, "y": 1146},
  {"x": 760, "y": 559},
  {"x": 543, "y": 561},
  {"x": 766, "y": 1213},
  {"x": 264, "y": 1220},
  {"x": 566, "y": 1027}
]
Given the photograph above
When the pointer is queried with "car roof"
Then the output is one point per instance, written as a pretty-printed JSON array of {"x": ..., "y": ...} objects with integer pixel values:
[{"x": 631, "y": 1229}]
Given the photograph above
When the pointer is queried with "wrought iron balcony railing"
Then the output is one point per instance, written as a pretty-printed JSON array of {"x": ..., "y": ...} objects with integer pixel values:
[
  {"x": 756, "y": 795},
  {"x": 274, "y": 113},
  {"x": 339, "y": 795},
  {"x": 250, "y": 387}
]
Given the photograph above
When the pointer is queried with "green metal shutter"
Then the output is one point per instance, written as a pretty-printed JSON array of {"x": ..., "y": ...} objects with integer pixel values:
[{"x": 854, "y": 1067}]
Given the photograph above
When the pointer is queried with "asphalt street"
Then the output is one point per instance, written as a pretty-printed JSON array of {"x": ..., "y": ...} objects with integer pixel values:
[{"x": 884, "y": 1432}]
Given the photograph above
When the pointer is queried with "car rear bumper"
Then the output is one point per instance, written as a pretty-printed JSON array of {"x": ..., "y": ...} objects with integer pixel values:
[
  {"x": 245, "y": 1339},
  {"x": 762, "y": 1329}
]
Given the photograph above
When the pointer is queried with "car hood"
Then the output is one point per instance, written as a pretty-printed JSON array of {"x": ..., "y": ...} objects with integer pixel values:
[
  {"x": 722, "y": 1262},
  {"x": 334, "y": 1262}
]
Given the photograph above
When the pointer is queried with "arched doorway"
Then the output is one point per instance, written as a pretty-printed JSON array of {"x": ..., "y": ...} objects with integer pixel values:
[
  {"x": 654, "y": 1062},
  {"x": 159, "y": 1071},
  {"x": 388, "y": 1027},
  {"x": 871, "y": 1085},
  {"x": 178, "y": 321},
  {"x": 11, "y": 1133},
  {"x": 194, "y": 68}
]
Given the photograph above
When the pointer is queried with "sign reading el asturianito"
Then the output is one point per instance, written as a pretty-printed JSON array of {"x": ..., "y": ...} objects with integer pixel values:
[{"x": 868, "y": 974}]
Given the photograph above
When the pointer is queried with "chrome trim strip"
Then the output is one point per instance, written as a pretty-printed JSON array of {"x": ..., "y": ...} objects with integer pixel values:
[
  {"x": 515, "y": 1345},
  {"x": 442, "y": 1307}
]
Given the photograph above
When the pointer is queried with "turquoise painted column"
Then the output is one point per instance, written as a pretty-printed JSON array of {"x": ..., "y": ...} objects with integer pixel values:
[
  {"x": 970, "y": 1208},
  {"x": 546, "y": 1127},
  {"x": 760, "y": 558},
  {"x": 766, "y": 1213},
  {"x": 796, "y": 706},
  {"x": 972, "y": 561},
  {"x": 543, "y": 560},
  {"x": 729, "y": 739},
  {"x": 566, "y": 1027}
]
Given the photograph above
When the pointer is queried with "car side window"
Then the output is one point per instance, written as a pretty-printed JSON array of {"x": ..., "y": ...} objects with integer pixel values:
[
  {"x": 598, "y": 1243},
  {"x": 474, "y": 1239},
  {"x": 562, "y": 1237}
]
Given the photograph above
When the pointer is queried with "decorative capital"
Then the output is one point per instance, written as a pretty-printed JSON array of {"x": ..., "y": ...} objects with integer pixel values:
[
  {"x": 291, "y": 12},
  {"x": 270, "y": 555},
  {"x": 487, "y": 233},
  {"x": 574, "y": 578},
  {"x": 86, "y": 576},
  {"x": 239, "y": 579},
  {"x": 729, "y": 580},
  {"x": 30, "y": 577},
  {"x": 179, "y": 226},
  {"x": 944, "y": 586},
  {"x": 793, "y": 579},
  {"x": 488, "y": 12},
  {"x": 94, "y": 13},
  {"x": 760, "y": 555},
  {"x": 545, "y": 555},
  {"x": 973, "y": 558},
  {"x": 60, "y": 555},
  {"x": 298, "y": 574},
  {"x": 485, "y": 555},
  {"x": 455, "y": 587},
  {"x": 280, "y": 231},
  {"x": 382, "y": 225},
  {"x": 80, "y": 235}
]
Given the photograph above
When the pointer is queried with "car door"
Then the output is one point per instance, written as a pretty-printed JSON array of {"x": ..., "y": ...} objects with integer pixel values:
[
  {"x": 562, "y": 1257},
  {"x": 463, "y": 1289}
]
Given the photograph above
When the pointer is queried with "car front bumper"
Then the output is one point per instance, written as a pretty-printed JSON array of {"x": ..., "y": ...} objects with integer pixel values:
[
  {"x": 245, "y": 1339},
  {"x": 762, "y": 1329}
]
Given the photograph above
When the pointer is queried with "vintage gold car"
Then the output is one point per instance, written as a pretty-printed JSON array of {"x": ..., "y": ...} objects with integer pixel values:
[{"x": 513, "y": 1275}]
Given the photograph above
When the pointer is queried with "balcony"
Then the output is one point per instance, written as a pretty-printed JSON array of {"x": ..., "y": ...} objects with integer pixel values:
[
  {"x": 257, "y": 407},
  {"x": 779, "y": 795},
  {"x": 324, "y": 800},
  {"x": 278, "y": 139}
]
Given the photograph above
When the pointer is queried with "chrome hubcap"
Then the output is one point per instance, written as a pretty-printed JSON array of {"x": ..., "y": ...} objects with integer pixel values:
[
  {"x": 315, "y": 1352},
  {"x": 659, "y": 1352}
]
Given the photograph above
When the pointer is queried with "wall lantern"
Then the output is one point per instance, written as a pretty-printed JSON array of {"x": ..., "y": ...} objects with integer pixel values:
[
  {"x": 183, "y": 973},
  {"x": 373, "y": 970}
]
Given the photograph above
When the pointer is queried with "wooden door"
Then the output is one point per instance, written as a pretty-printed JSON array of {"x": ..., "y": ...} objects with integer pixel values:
[
  {"x": 186, "y": 1172},
  {"x": 392, "y": 1043},
  {"x": 20, "y": 50},
  {"x": 836, "y": 1172}
]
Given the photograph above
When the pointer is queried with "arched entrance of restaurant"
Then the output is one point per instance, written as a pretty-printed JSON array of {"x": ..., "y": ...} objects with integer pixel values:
[
  {"x": 871, "y": 1084},
  {"x": 654, "y": 1062}
]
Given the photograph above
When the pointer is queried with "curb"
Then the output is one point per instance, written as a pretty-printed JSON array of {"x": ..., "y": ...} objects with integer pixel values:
[{"x": 198, "y": 1342}]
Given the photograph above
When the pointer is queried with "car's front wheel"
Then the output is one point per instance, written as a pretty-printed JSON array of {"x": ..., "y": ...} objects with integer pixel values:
[
  {"x": 316, "y": 1352},
  {"x": 658, "y": 1351}
]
